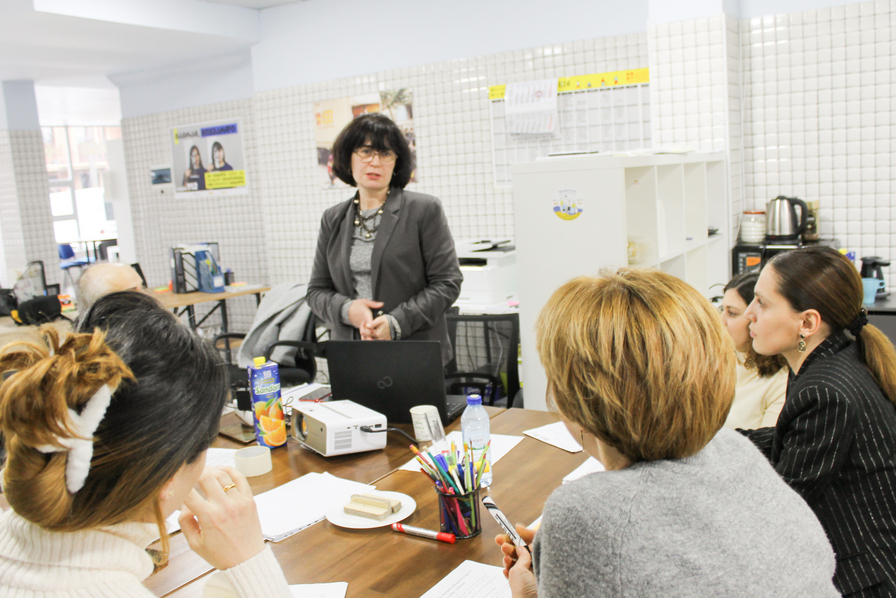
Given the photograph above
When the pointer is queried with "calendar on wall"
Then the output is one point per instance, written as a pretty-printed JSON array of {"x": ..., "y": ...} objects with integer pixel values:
[{"x": 605, "y": 112}]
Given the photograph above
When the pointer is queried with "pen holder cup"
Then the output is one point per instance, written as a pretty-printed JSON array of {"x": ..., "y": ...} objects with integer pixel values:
[{"x": 459, "y": 514}]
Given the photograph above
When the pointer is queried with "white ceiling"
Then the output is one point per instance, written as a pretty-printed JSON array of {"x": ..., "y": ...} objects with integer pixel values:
[
  {"x": 51, "y": 46},
  {"x": 256, "y": 4}
]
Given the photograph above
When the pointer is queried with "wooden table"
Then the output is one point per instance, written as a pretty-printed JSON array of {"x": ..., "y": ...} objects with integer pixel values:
[
  {"x": 185, "y": 302},
  {"x": 380, "y": 562}
]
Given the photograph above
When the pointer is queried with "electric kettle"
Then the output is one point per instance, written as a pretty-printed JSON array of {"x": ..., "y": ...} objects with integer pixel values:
[{"x": 781, "y": 224}]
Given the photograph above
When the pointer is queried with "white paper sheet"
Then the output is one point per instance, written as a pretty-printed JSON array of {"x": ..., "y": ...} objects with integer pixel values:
[
  {"x": 501, "y": 445},
  {"x": 218, "y": 457},
  {"x": 557, "y": 435},
  {"x": 592, "y": 465},
  {"x": 471, "y": 580},
  {"x": 298, "y": 504},
  {"x": 319, "y": 590}
]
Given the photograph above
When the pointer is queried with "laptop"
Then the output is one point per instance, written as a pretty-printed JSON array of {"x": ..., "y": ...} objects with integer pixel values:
[{"x": 391, "y": 377}]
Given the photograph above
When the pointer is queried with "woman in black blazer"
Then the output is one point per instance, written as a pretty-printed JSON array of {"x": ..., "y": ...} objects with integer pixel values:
[
  {"x": 835, "y": 440},
  {"x": 385, "y": 266}
]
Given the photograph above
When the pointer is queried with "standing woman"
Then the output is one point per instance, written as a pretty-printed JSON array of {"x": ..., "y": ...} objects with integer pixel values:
[
  {"x": 835, "y": 440},
  {"x": 761, "y": 379},
  {"x": 385, "y": 267}
]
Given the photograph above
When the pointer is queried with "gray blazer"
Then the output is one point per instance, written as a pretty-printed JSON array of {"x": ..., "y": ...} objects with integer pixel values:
[{"x": 414, "y": 268}]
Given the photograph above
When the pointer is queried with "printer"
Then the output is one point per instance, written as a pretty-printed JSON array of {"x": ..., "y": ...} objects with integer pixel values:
[{"x": 489, "y": 269}]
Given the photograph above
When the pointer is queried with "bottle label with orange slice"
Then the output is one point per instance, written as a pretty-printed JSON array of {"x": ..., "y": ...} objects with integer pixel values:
[{"x": 270, "y": 425}]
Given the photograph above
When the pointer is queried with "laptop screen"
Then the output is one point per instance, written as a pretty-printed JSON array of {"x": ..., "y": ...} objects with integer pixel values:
[{"x": 388, "y": 376}]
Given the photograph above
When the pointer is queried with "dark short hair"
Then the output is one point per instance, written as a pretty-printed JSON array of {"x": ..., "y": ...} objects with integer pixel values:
[{"x": 382, "y": 134}]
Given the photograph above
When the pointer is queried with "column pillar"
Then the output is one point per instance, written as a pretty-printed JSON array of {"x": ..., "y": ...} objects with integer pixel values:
[{"x": 26, "y": 224}]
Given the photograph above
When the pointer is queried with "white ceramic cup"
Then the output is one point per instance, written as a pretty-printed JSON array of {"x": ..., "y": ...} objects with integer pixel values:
[
  {"x": 419, "y": 414},
  {"x": 253, "y": 460}
]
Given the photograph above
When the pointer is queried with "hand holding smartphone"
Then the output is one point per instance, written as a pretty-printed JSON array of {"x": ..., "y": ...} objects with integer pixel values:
[{"x": 505, "y": 523}]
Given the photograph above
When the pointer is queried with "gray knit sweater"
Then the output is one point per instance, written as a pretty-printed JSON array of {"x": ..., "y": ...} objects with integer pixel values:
[{"x": 720, "y": 523}]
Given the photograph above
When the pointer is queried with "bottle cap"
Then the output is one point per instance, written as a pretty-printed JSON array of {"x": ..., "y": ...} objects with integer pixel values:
[
  {"x": 259, "y": 361},
  {"x": 474, "y": 399}
]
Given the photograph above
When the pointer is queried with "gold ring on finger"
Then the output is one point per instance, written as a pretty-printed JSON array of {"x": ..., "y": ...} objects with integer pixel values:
[{"x": 229, "y": 487}]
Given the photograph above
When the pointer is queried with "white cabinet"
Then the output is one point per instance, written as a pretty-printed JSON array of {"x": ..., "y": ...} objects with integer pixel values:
[{"x": 575, "y": 216}]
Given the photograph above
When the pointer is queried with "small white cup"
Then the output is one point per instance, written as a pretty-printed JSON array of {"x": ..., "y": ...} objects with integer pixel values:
[
  {"x": 253, "y": 461},
  {"x": 419, "y": 415}
]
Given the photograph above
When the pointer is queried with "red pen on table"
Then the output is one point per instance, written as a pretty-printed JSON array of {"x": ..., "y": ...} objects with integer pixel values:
[{"x": 423, "y": 533}]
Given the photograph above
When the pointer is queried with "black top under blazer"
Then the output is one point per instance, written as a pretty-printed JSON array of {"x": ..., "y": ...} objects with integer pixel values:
[
  {"x": 835, "y": 444},
  {"x": 414, "y": 268}
]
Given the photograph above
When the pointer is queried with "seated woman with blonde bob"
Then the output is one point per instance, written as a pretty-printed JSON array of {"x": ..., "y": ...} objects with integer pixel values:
[
  {"x": 106, "y": 435},
  {"x": 761, "y": 379},
  {"x": 641, "y": 371}
]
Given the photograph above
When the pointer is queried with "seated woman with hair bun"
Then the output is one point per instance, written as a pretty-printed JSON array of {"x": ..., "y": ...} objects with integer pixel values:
[
  {"x": 106, "y": 435},
  {"x": 642, "y": 373}
]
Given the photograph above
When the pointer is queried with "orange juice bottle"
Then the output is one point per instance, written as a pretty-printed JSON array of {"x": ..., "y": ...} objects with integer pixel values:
[{"x": 264, "y": 383}]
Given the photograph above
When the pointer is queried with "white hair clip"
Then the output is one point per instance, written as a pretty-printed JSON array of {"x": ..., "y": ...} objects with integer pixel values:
[{"x": 80, "y": 447}]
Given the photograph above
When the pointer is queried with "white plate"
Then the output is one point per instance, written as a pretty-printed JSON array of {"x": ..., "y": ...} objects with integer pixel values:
[{"x": 337, "y": 515}]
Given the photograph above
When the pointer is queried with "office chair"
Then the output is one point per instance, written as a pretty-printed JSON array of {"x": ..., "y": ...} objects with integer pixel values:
[
  {"x": 486, "y": 350},
  {"x": 102, "y": 249},
  {"x": 67, "y": 261},
  {"x": 302, "y": 371}
]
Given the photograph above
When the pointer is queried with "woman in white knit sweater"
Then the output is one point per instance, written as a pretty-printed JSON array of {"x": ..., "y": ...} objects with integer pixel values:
[
  {"x": 106, "y": 435},
  {"x": 761, "y": 379}
]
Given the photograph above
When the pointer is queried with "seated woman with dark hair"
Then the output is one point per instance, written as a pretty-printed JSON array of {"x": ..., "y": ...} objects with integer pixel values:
[
  {"x": 835, "y": 440},
  {"x": 106, "y": 435},
  {"x": 761, "y": 379},
  {"x": 642, "y": 373}
]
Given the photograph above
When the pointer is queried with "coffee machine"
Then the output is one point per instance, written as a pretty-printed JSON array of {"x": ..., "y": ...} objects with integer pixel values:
[{"x": 872, "y": 267}]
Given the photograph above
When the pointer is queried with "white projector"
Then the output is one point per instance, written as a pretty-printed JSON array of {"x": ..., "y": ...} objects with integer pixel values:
[{"x": 334, "y": 428}]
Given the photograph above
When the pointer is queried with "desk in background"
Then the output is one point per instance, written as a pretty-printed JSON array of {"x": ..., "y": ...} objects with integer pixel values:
[
  {"x": 185, "y": 302},
  {"x": 380, "y": 562}
]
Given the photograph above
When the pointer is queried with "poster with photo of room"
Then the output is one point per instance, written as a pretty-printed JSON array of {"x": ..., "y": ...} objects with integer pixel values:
[
  {"x": 208, "y": 159},
  {"x": 331, "y": 116}
]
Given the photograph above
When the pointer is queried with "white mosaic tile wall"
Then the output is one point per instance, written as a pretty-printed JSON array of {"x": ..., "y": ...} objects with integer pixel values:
[
  {"x": 160, "y": 222},
  {"x": 695, "y": 81},
  {"x": 820, "y": 119},
  {"x": 454, "y": 154},
  {"x": 10, "y": 220},
  {"x": 26, "y": 221}
]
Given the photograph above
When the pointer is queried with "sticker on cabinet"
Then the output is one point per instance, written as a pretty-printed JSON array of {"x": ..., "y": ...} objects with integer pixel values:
[{"x": 568, "y": 205}]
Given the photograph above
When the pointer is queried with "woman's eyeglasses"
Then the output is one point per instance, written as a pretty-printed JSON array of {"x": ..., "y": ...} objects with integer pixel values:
[{"x": 367, "y": 153}]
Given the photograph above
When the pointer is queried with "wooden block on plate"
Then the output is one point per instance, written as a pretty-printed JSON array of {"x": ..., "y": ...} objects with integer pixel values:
[
  {"x": 368, "y": 511},
  {"x": 377, "y": 501}
]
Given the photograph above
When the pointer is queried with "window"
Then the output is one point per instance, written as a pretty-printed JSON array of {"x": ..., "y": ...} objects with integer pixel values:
[{"x": 77, "y": 168}]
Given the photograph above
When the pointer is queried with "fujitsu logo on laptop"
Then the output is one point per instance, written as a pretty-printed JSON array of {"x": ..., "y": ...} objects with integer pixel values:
[{"x": 384, "y": 383}]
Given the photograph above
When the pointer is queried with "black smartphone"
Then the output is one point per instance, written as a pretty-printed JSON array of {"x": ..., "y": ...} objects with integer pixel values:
[{"x": 504, "y": 523}]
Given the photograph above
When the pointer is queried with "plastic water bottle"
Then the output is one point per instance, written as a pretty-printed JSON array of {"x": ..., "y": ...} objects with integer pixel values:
[{"x": 475, "y": 428}]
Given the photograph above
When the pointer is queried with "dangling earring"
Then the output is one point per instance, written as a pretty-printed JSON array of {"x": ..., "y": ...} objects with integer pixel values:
[{"x": 802, "y": 345}]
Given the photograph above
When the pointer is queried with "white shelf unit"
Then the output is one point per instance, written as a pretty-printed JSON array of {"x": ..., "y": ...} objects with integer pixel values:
[{"x": 663, "y": 203}]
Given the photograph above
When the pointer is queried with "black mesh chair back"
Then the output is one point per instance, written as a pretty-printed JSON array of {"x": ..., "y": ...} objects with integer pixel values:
[{"x": 486, "y": 351}]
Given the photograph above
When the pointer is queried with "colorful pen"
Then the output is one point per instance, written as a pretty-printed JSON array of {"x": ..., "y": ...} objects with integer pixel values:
[{"x": 423, "y": 533}]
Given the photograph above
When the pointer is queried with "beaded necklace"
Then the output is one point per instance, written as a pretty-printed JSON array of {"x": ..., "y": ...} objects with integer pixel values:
[{"x": 361, "y": 221}]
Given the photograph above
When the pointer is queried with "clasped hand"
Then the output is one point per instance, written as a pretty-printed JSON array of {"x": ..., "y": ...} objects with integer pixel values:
[
  {"x": 360, "y": 314},
  {"x": 518, "y": 564},
  {"x": 223, "y": 528}
]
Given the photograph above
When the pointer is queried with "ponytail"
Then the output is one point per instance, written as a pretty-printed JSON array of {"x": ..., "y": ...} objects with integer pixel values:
[
  {"x": 880, "y": 358},
  {"x": 34, "y": 412}
]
